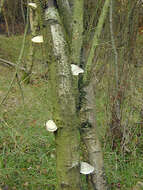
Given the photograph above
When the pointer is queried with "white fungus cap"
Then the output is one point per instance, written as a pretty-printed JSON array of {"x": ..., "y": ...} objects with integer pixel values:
[
  {"x": 76, "y": 70},
  {"x": 51, "y": 126},
  {"x": 86, "y": 168},
  {"x": 37, "y": 39},
  {"x": 32, "y": 5}
]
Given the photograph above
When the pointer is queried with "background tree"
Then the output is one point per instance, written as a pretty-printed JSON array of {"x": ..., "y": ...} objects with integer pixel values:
[
  {"x": 123, "y": 33},
  {"x": 13, "y": 13}
]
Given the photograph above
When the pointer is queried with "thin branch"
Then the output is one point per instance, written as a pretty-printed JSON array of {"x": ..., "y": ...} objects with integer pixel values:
[
  {"x": 77, "y": 37},
  {"x": 9, "y": 63},
  {"x": 113, "y": 43},
  {"x": 22, "y": 11},
  {"x": 66, "y": 14},
  {"x": 20, "y": 87},
  {"x": 1, "y": 5},
  {"x": 18, "y": 63},
  {"x": 89, "y": 65}
]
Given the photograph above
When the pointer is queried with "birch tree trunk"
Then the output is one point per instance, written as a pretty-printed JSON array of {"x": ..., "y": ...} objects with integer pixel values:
[
  {"x": 88, "y": 117},
  {"x": 65, "y": 113},
  {"x": 89, "y": 135},
  {"x": 67, "y": 135},
  {"x": 64, "y": 10},
  {"x": 91, "y": 139}
]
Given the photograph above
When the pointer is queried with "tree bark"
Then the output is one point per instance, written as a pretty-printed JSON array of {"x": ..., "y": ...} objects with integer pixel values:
[
  {"x": 64, "y": 10},
  {"x": 91, "y": 139},
  {"x": 89, "y": 64},
  {"x": 77, "y": 31},
  {"x": 67, "y": 135},
  {"x": 89, "y": 128},
  {"x": 65, "y": 113}
]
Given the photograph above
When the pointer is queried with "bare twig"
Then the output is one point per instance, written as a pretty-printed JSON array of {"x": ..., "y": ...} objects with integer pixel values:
[
  {"x": 22, "y": 11},
  {"x": 9, "y": 63},
  {"x": 95, "y": 43},
  {"x": 18, "y": 63},
  {"x": 20, "y": 87},
  {"x": 113, "y": 42}
]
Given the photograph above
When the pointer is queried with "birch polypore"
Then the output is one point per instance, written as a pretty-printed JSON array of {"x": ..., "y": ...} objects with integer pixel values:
[
  {"x": 86, "y": 168},
  {"x": 37, "y": 39},
  {"x": 32, "y": 5},
  {"x": 76, "y": 70},
  {"x": 51, "y": 126}
]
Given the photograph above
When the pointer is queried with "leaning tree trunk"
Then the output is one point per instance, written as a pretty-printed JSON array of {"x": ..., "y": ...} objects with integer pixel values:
[
  {"x": 89, "y": 135},
  {"x": 91, "y": 139},
  {"x": 67, "y": 135},
  {"x": 88, "y": 116}
]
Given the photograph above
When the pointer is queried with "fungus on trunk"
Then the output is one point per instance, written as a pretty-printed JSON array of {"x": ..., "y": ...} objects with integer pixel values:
[
  {"x": 37, "y": 39},
  {"x": 51, "y": 126}
]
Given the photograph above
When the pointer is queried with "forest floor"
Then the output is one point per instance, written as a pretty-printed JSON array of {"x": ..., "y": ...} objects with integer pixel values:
[{"x": 27, "y": 150}]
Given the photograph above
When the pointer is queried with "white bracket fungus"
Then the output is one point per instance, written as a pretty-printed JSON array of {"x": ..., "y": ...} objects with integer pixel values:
[
  {"x": 51, "y": 126},
  {"x": 86, "y": 168},
  {"x": 76, "y": 70},
  {"x": 32, "y": 5},
  {"x": 37, "y": 39}
]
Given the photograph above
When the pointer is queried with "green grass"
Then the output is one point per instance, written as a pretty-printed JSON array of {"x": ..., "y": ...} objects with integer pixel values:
[{"x": 27, "y": 150}]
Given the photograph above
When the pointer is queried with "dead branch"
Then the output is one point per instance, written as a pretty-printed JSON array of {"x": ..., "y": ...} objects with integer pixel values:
[{"x": 10, "y": 64}]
